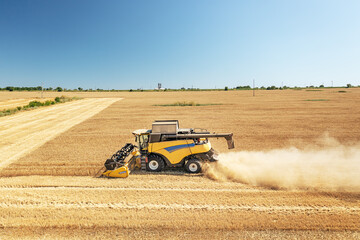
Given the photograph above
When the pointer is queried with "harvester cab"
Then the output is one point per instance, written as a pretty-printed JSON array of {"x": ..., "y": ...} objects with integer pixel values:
[
  {"x": 165, "y": 145},
  {"x": 142, "y": 139}
]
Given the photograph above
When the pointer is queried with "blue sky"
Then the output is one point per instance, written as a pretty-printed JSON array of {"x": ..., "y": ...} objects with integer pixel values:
[{"x": 198, "y": 43}]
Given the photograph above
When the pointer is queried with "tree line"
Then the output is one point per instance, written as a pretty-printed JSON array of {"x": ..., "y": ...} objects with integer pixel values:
[{"x": 247, "y": 87}]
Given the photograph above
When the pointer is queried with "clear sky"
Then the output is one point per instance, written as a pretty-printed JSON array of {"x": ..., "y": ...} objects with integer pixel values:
[{"x": 134, "y": 44}]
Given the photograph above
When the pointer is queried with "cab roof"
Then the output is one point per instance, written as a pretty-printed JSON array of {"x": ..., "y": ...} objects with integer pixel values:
[{"x": 141, "y": 131}]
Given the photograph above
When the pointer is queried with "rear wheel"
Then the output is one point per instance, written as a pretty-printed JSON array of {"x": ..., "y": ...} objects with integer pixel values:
[
  {"x": 155, "y": 164},
  {"x": 193, "y": 166}
]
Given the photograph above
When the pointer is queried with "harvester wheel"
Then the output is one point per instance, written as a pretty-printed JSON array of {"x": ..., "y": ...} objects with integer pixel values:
[
  {"x": 155, "y": 163},
  {"x": 193, "y": 166}
]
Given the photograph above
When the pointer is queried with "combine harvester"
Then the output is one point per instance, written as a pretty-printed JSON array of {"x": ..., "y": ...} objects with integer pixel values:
[{"x": 166, "y": 145}]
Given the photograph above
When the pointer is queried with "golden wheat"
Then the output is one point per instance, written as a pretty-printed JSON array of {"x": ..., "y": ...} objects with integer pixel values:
[{"x": 45, "y": 197}]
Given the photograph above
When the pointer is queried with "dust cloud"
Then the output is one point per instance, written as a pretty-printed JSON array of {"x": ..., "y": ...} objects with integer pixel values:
[{"x": 327, "y": 166}]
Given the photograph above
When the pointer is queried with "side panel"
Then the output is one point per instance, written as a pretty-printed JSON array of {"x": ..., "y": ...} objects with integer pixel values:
[
  {"x": 174, "y": 151},
  {"x": 201, "y": 148}
]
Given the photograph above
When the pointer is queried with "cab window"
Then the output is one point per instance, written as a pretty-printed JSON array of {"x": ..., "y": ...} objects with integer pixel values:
[{"x": 143, "y": 141}]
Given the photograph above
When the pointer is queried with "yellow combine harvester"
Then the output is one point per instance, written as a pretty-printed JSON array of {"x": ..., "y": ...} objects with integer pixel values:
[{"x": 165, "y": 145}]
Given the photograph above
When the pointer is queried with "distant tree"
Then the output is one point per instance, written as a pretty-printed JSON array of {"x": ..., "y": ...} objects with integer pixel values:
[
  {"x": 80, "y": 89},
  {"x": 58, "y": 89},
  {"x": 10, "y": 88},
  {"x": 130, "y": 90},
  {"x": 226, "y": 88},
  {"x": 243, "y": 87},
  {"x": 321, "y": 86},
  {"x": 271, "y": 88},
  {"x": 39, "y": 88},
  {"x": 348, "y": 85}
]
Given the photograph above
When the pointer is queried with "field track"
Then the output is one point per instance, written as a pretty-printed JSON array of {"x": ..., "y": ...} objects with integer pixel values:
[{"x": 24, "y": 132}]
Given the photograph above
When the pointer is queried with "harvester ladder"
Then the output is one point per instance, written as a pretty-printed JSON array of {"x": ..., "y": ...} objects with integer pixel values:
[{"x": 143, "y": 163}]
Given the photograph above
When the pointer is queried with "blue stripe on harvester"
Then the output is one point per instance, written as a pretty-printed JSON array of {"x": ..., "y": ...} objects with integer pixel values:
[{"x": 174, "y": 148}]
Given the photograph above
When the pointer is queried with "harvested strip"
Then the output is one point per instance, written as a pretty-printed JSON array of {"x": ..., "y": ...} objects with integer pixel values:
[
  {"x": 333, "y": 209},
  {"x": 23, "y": 118},
  {"x": 10, "y": 130},
  {"x": 142, "y": 195},
  {"x": 115, "y": 188},
  {"x": 23, "y": 133},
  {"x": 108, "y": 232}
]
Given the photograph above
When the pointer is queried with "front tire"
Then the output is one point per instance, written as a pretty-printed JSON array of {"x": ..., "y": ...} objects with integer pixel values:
[
  {"x": 193, "y": 166},
  {"x": 155, "y": 164}
]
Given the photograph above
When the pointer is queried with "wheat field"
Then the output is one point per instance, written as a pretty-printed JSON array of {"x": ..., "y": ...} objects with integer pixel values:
[{"x": 49, "y": 191}]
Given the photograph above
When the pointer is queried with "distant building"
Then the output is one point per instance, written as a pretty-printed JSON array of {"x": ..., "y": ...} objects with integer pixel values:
[{"x": 159, "y": 87}]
